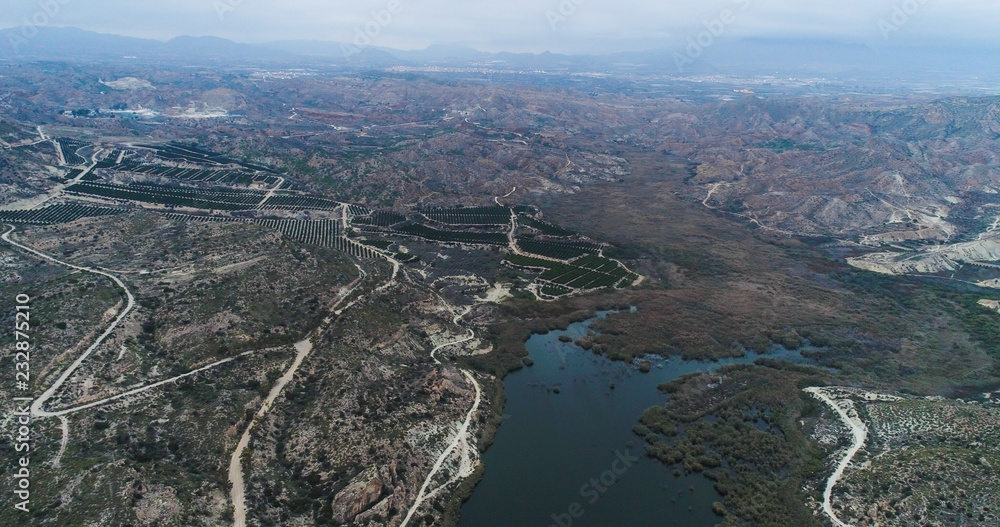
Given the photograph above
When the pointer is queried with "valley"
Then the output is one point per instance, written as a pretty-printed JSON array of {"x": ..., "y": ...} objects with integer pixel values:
[{"x": 314, "y": 299}]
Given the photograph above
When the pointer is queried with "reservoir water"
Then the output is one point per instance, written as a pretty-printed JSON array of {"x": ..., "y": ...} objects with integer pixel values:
[{"x": 570, "y": 459}]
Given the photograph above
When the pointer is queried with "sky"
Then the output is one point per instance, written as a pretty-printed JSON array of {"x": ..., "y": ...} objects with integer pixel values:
[{"x": 562, "y": 26}]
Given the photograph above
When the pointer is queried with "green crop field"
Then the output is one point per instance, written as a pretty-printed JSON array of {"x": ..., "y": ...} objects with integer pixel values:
[
  {"x": 69, "y": 148},
  {"x": 55, "y": 214},
  {"x": 494, "y": 215},
  {"x": 219, "y": 176},
  {"x": 171, "y": 196},
  {"x": 471, "y": 238},
  {"x": 323, "y": 233},
  {"x": 557, "y": 250},
  {"x": 299, "y": 202},
  {"x": 594, "y": 272},
  {"x": 380, "y": 219}
]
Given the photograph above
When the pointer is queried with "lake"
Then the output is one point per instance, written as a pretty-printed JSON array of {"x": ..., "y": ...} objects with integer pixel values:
[{"x": 571, "y": 459}]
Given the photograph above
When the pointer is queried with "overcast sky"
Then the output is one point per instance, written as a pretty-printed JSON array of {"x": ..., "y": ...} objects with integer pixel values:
[{"x": 591, "y": 26}]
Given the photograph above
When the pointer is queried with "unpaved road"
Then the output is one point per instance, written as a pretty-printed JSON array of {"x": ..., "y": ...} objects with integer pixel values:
[
  {"x": 37, "y": 409},
  {"x": 238, "y": 492},
  {"x": 303, "y": 349},
  {"x": 461, "y": 436},
  {"x": 143, "y": 389},
  {"x": 270, "y": 193},
  {"x": 35, "y": 202},
  {"x": 860, "y": 433}
]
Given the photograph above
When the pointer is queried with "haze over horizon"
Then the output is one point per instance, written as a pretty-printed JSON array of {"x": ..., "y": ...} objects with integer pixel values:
[{"x": 560, "y": 26}]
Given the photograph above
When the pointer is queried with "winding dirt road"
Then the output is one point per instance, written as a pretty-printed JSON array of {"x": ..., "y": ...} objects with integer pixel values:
[
  {"x": 238, "y": 492},
  {"x": 303, "y": 349},
  {"x": 860, "y": 433},
  {"x": 37, "y": 407},
  {"x": 461, "y": 437}
]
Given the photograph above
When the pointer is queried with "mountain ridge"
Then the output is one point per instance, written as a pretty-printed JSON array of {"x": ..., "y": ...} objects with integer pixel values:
[{"x": 850, "y": 62}]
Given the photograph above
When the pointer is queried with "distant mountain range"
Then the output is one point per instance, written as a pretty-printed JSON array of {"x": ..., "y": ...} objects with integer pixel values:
[{"x": 750, "y": 57}]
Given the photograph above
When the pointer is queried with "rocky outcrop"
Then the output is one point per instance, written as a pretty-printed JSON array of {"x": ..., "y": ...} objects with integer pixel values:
[
  {"x": 372, "y": 493},
  {"x": 360, "y": 495}
]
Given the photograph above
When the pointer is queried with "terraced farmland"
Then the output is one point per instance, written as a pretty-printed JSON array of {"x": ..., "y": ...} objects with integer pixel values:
[
  {"x": 358, "y": 210},
  {"x": 378, "y": 243},
  {"x": 380, "y": 219},
  {"x": 322, "y": 233},
  {"x": 56, "y": 214},
  {"x": 212, "y": 199},
  {"x": 110, "y": 159},
  {"x": 314, "y": 232},
  {"x": 219, "y": 176},
  {"x": 182, "y": 152},
  {"x": 543, "y": 227},
  {"x": 589, "y": 272},
  {"x": 90, "y": 176},
  {"x": 494, "y": 215},
  {"x": 299, "y": 202},
  {"x": 468, "y": 238},
  {"x": 529, "y": 263},
  {"x": 557, "y": 250},
  {"x": 171, "y": 196},
  {"x": 69, "y": 148},
  {"x": 73, "y": 173}
]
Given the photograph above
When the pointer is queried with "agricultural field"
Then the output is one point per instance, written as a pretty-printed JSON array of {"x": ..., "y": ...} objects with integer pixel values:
[
  {"x": 217, "y": 176},
  {"x": 182, "y": 152},
  {"x": 299, "y": 202},
  {"x": 110, "y": 159},
  {"x": 358, "y": 210},
  {"x": 55, "y": 214},
  {"x": 188, "y": 153},
  {"x": 557, "y": 250},
  {"x": 321, "y": 233},
  {"x": 380, "y": 219},
  {"x": 378, "y": 243},
  {"x": 589, "y": 272},
  {"x": 554, "y": 291},
  {"x": 73, "y": 173},
  {"x": 543, "y": 227},
  {"x": 69, "y": 149},
  {"x": 494, "y": 215},
  {"x": 171, "y": 196},
  {"x": 469, "y": 238},
  {"x": 599, "y": 264}
]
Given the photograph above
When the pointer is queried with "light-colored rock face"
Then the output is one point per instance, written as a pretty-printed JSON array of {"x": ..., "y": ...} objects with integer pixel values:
[
  {"x": 129, "y": 84},
  {"x": 931, "y": 259},
  {"x": 990, "y": 304},
  {"x": 903, "y": 263},
  {"x": 361, "y": 495}
]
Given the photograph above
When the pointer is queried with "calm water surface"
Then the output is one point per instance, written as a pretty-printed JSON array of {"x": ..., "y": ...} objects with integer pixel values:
[{"x": 552, "y": 450}]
